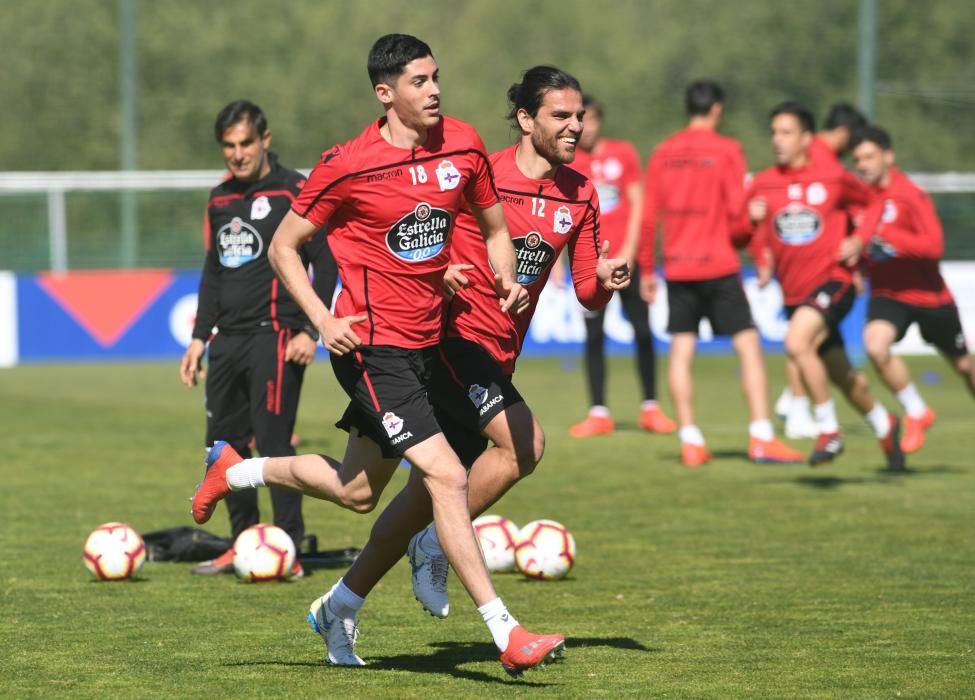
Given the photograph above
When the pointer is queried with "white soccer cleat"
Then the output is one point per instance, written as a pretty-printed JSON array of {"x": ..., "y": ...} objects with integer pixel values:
[
  {"x": 340, "y": 634},
  {"x": 799, "y": 425},
  {"x": 429, "y": 578},
  {"x": 783, "y": 404}
]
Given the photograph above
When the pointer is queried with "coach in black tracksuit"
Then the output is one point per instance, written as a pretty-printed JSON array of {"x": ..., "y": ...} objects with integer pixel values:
[{"x": 263, "y": 341}]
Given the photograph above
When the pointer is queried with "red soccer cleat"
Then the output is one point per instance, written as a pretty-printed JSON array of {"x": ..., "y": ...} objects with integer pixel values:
[
  {"x": 891, "y": 445},
  {"x": 526, "y": 650},
  {"x": 655, "y": 421},
  {"x": 592, "y": 426},
  {"x": 694, "y": 455},
  {"x": 224, "y": 564},
  {"x": 773, "y": 452},
  {"x": 828, "y": 447},
  {"x": 214, "y": 487},
  {"x": 914, "y": 429}
]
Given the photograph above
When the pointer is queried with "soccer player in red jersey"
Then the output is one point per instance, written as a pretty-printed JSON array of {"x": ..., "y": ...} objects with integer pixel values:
[
  {"x": 906, "y": 243},
  {"x": 795, "y": 204},
  {"x": 549, "y": 207},
  {"x": 389, "y": 198},
  {"x": 827, "y": 147},
  {"x": 695, "y": 193},
  {"x": 613, "y": 166}
]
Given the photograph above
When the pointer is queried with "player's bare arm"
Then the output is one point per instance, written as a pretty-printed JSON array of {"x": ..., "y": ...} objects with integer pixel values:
[
  {"x": 190, "y": 364},
  {"x": 501, "y": 253},
  {"x": 337, "y": 334}
]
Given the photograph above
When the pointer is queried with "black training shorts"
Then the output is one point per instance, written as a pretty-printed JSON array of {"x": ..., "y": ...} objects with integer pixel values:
[
  {"x": 721, "y": 300},
  {"x": 939, "y": 325},
  {"x": 833, "y": 300}
]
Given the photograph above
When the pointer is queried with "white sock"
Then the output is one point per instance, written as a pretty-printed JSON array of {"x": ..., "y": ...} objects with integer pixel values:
[
  {"x": 826, "y": 417},
  {"x": 879, "y": 420},
  {"x": 911, "y": 401},
  {"x": 248, "y": 474},
  {"x": 343, "y": 602},
  {"x": 648, "y": 404},
  {"x": 499, "y": 621},
  {"x": 799, "y": 404},
  {"x": 430, "y": 543},
  {"x": 599, "y": 411},
  {"x": 692, "y": 435},
  {"x": 761, "y": 430}
]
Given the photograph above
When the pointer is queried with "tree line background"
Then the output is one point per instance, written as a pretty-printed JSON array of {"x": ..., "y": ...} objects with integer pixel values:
[{"x": 304, "y": 62}]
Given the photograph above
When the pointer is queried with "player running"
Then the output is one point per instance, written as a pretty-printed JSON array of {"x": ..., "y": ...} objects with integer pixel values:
[
  {"x": 390, "y": 197},
  {"x": 906, "y": 243},
  {"x": 549, "y": 207},
  {"x": 613, "y": 165},
  {"x": 695, "y": 193},
  {"x": 797, "y": 205}
]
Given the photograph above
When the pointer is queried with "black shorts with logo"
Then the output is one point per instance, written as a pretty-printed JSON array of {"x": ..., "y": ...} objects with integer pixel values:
[
  {"x": 939, "y": 325},
  {"x": 833, "y": 300},
  {"x": 388, "y": 391},
  {"x": 469, "y": 388},
  {"x": 721, "y": 300}
]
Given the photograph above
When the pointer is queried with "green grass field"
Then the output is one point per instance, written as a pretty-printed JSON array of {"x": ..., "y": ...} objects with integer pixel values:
[{"x": 734, "y": 580}]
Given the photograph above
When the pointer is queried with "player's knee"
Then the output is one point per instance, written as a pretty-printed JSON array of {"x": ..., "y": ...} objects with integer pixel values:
[
  {"x": 795, "y": 345},
  {"x": 878, "y": 349},
  {"x": 854, "y": 382},
  {"x": 361, "y": 500}
]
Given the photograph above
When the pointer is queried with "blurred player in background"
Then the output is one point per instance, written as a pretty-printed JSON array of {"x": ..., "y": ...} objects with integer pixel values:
[
  {"x": 549, "y": 208},
  {"x": 614, "y": 168},
  {"x": 795, "y": 205},
  {"x": 695, "y": 193},
  {"x": 390, "y": 197},
  {"x": 828, "y": 146},
  {"x": 257, "y": 360},
  {"x": 906, "y": 244}
]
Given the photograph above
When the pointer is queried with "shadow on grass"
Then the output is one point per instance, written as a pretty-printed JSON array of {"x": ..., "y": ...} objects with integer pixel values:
[
  {"x": 450, "y": 656},
  {"x": 880, "y": 476}
]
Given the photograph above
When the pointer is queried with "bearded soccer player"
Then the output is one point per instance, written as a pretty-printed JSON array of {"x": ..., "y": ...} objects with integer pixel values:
[
  {"x": 695, "y": 193},
  {"x": 549, "y": 207},
  {"x": 906, "y": 286},
  {"x": 828, "y": 146},
  {"x": 390, "y": 197},
  {"x": 795, "y": 205},
  {"x": 613, "y": 166}
]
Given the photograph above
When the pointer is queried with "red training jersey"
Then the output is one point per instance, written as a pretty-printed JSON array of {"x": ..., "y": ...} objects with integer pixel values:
[
  {"x": 694, "y": 191},
  {"x": 806, "y": 222},
  {"x": 390, "y": 213},
  {"x": 822, "y": 153},
  {"x": 544, "y": 216},
  {"x": 613, "y": 167},
  {"x": 904, "y": 229}
]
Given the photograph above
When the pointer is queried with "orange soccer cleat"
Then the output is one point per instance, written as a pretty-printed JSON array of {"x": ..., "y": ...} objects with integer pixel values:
[
  {"x": 655, "y": 421},
  {"x": 526, "y": 650},
  {"x": 773, "y": 452},
  {"x": 592, "y": 426},
  {"x": 692, "y": 455},
  {"x": 914, "y": 429},
  {"x": 214, "y": 486},
  {"x": 224, "y": 564}
]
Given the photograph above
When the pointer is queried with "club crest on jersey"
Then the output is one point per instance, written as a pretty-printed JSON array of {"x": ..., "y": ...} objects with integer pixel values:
[
  {"x": 562, "y": 221},
  {"x": 421, "y": 234},
  {"x": 260, "y": 208},
  {"x": 797, "y": 225},
  {"x": 794, "y": 191},
  {"x": 392, "y": 423},
  {"x": 534, "y": 255},
  {"x": 448, "y": 176},
  {"x": 890, "y": 212},
  {"x": 238, "y": 243},
  {"x": 477, "y": 394},
  {"x": 816, "y": 194}
]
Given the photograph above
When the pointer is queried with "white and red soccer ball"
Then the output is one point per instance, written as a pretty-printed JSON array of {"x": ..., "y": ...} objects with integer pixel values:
[
  {"x": 545, "y": 550},
  {"x": 114, "y": 552},
  {"x": 263, "y": 553},
  {"x": 497, "y": 536}
]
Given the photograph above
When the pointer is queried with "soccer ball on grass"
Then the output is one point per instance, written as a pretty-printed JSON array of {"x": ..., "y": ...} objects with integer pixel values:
[
  {"x": 545, "y": 550},
  {"x": 263, "y": 553},
  {"x": 114, "y": 552},
  {"x": 497, "y": 535}
]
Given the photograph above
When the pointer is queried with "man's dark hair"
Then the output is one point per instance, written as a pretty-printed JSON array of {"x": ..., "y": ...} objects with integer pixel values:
[
  {"x": 845, "y": 114},
  {"x": 873, "y": 134},
  {"x": 701, "y": 96},
  {"x": 390, "y": 54},
  {"x": 806, "y": 120},
  {"x": 236, "y": 112},
  {"x": 591, "y": 104},
  {"x": 535, "y": 82}
]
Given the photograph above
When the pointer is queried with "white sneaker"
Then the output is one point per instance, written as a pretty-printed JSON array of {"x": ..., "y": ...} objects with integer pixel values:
[
  {"x": 429, "y": 578},
  {"x": 799, "y": 424},
  {"x": 783, "y": 404},
  {"x": 339, "y": 634}
]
